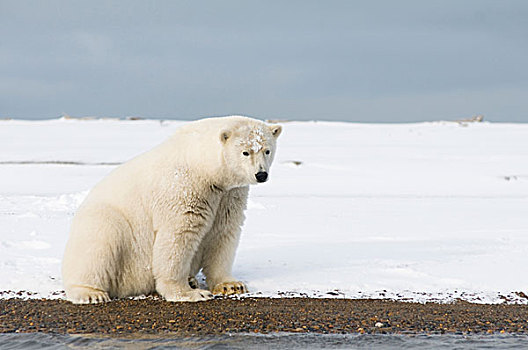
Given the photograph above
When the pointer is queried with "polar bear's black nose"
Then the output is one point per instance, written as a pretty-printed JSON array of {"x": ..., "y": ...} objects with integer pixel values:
[{"x": 261, "y": 176}]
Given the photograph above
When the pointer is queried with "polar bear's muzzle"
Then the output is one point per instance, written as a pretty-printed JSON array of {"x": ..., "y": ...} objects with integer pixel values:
[{"x": 261, "y": 176}]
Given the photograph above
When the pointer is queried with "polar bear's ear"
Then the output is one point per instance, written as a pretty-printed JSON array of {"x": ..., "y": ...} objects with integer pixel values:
[
  {"x": 275, "y": 130},
  {"x": 225, "y": 135}
]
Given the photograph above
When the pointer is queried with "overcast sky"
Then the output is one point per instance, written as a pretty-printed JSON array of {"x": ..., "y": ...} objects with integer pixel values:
[{"x": 370, "y": 61}]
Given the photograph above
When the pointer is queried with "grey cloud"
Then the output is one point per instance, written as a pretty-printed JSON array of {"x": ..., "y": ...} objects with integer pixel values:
[{"x": 339, "y": 60}]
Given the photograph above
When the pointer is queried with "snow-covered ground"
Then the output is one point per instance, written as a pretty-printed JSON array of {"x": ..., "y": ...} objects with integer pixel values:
[{"x": 429, "y": 211}]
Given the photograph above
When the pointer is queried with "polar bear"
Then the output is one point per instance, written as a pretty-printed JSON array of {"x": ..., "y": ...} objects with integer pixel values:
[{"x": 157, "y": 220}]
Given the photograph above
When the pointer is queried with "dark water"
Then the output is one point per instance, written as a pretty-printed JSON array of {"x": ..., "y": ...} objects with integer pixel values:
[{"x": 275, "y": 341}]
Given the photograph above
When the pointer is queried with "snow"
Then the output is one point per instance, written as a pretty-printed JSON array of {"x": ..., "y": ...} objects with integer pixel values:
[
  {"x": 255, "y": 140},
  {"x": 424, "y": 212}
]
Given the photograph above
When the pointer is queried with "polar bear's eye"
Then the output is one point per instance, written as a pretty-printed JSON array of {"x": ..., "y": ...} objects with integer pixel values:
[
  {"x": 267, "y": 151},
  {"x": 245, "y": 153}
]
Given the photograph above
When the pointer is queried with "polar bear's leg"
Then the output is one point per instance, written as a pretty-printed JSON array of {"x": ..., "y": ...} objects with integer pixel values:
[
  {"x": 172, "y": 257},
  {"x": 222, "y": 242},
  {"x": 94, "y": 255}
]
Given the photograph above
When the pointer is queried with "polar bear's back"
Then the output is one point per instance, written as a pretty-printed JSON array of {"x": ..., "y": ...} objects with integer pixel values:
[
  {"x": 207, "y": 126},
  {"x": 207, "y": 131}
]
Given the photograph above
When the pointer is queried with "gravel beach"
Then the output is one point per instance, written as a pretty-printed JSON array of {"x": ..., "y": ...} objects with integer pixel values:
[{"x": 260, "y": 315}]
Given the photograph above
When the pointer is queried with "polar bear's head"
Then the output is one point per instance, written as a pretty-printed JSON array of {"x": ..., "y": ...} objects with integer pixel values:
[{"x": 248, "y": 151}]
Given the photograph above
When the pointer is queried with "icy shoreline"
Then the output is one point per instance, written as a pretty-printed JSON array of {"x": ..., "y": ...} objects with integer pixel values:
[{"x": 419, "y": 212}]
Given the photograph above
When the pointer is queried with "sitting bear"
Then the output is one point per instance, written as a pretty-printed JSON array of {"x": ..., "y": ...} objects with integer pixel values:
[{"x": 154, "y": 222}]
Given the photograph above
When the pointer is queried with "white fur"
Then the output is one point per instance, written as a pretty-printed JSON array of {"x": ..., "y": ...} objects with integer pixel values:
[{"x": 157, "y": 220}]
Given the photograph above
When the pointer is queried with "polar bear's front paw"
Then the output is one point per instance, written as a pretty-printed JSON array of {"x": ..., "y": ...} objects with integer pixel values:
[
  {"x": 229, "y": 288},
  {"x": 86, "y": 295},
  {"x": 192, "y": 296}
]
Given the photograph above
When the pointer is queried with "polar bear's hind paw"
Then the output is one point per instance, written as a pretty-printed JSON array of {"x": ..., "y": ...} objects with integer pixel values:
[
  {"x": 191, "y": 296},
  {"x": 230, "y": 288},
  {"x": 87, "y": 295}
]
